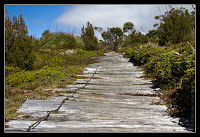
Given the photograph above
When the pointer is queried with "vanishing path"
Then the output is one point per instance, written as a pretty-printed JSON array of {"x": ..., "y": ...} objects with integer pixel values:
[{"x": 101, "y": 103}]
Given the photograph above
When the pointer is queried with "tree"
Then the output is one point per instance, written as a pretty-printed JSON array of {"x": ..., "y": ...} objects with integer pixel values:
[
  {"x": 153, "y": 35},
  {"x": 107, "y": 37},
  {"x": 45, "y": 34},
  {"x": 8, "y": 36},
  {"x": 100, "y": 29},
  {"x": 128, "y": 27},
  {"x": 175, "y": 26},
  {"x": 88, "y": 37},
  {"x": 18, "y": 45},
  {"x": 113, "y": 36}
]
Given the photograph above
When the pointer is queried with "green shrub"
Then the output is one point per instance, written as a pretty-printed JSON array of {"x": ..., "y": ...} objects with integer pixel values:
[
  {"x": 174, "y": 69},
  {"x": 141, "y": 54},
  {"x": 80, "y": 52},
  {"x": 88, "y": 37},
  {"x": 9, "y": 70},
  {"x": 18, "y": 44},
  {"x": 61, "y": 41},
  {"x": 175, "y": 26},
  {"x": 50, "y": 68}
]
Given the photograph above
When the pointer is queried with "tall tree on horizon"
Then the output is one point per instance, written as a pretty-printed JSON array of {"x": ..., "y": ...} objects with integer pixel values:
[
  {"x": 18, "y": 44},
  {"x": 175, "y": 26},
  {"x": 113, "y": 36},
  {"x": 88, "y": 37},
  {"x": 128, "y": 27}
]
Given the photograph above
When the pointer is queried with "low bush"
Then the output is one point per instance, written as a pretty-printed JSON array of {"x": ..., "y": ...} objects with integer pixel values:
[
  {"x": 173, "y": 67},
  {"x": 61, "y": 41},
  {"x": 50, "y": 68}
]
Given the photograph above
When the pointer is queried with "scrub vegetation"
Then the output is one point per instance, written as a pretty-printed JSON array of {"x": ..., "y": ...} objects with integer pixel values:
[
  {"x": 32, "y": 65},
  {"x": 167, "y": 55}
]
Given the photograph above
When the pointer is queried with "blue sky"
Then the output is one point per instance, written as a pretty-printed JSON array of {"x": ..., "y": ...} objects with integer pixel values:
[
  {"x": 39, "y": 18},
  {"x": 70, "y": 18}
]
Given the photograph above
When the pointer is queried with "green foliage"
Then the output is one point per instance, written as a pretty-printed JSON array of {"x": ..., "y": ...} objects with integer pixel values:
[
  {"x": 9, "y": 70},
  {"x": 33, "y": 64},
  {"x": 153, "y": 35},
  {"x": 80, "y": 52},
  {"x": 135, "y": 38},
  {"x": 79, "y": 42},
  {"x": 18, "y": 45},
  {"x": 107, "y": 37},
  {"x": 46, "y": 34},
  {"x": 173, "y": 68},
  {"x": 50, "y": 68},
  {"x": 128, "y": 26},
  {"x": 113, "y": 36},
  {"x": 60, "y": 41},
  {"x": 88, "y": 37},
  {"x": 141, "y": 54},
  {"x": 175, "y": 26},
  {"x": 32, "y": 79},
  {"x": 139, "y": 37}
]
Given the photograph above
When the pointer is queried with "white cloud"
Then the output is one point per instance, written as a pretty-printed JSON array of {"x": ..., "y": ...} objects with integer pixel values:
[{"x": 142, "y": 16}]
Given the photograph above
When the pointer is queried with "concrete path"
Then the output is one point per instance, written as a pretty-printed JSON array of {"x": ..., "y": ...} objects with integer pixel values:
[{"x": 107, "y": 99}]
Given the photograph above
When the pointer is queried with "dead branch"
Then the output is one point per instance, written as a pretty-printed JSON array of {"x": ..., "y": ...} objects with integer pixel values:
[{"x": 34, "y": 125}]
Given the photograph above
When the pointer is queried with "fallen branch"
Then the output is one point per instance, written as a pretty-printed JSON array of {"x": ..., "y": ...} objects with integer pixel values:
[{"x": 34, "y": 125}]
